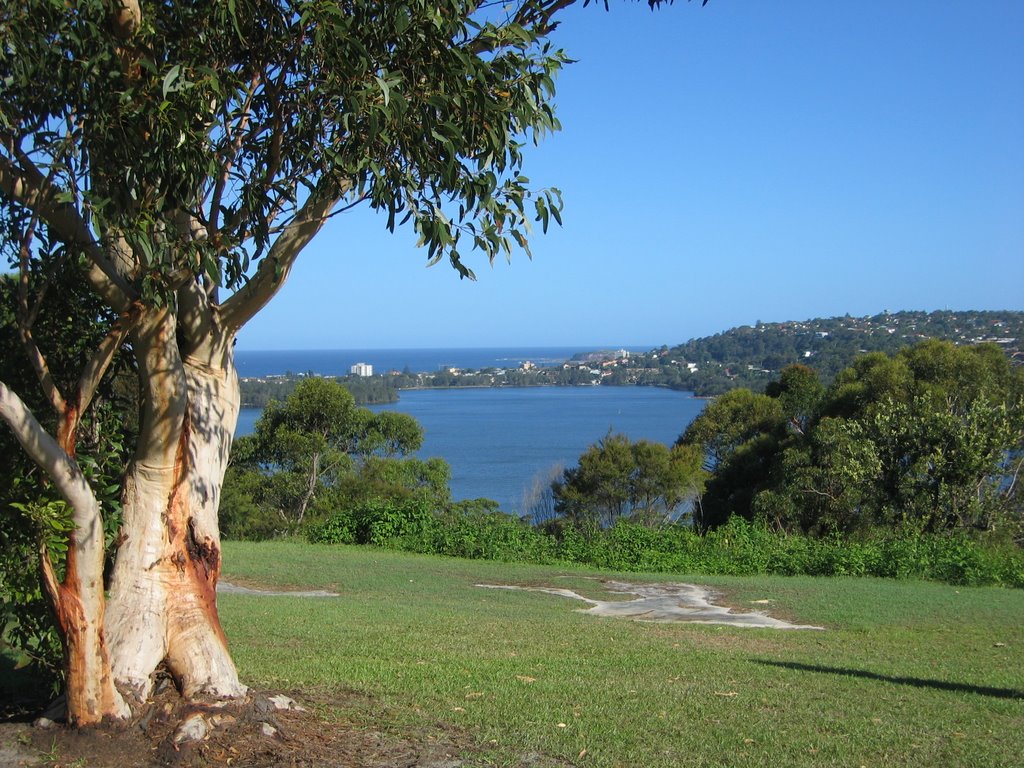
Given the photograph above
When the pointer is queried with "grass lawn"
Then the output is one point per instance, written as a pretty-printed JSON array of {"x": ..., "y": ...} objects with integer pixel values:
[{"x": 907, "y": 673}]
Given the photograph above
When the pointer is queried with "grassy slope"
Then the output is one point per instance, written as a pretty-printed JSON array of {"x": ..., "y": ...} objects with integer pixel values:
[{"x": 908, "y": 673}]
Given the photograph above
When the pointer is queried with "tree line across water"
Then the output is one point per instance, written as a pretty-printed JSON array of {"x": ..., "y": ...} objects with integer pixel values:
[{"x": 746, "y": 356}]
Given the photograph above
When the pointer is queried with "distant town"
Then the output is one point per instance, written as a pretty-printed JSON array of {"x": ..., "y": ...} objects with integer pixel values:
[{"x": 747, "y": 356}]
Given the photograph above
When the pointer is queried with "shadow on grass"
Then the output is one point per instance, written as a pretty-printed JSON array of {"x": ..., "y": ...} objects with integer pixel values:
[{"x": 917, "y": 682}]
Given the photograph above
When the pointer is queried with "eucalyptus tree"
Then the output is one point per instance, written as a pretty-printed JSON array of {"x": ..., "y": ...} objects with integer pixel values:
[
  {"x": 730, "y": 421},
  {"x": 615, "y": 478},
  {"x": 310, "y": 443},
  {"x": 931, "y": 438},
  {"x": 181, "y": 156}
]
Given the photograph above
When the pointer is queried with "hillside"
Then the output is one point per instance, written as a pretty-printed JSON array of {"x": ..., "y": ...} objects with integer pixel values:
[
  {"x": 740, "y": 357},
  {"x": 752, "y": 356}
]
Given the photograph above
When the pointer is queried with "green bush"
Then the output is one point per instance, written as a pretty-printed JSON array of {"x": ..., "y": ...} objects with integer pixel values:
[
  {"x": 487, "y": 535},
  {"x": 373, "y": 521},
  {"x": 476, "y": 530},
  {"x": 338, "y": 528}
]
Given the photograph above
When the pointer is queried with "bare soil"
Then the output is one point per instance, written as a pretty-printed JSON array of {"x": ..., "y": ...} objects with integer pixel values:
[
  {"x": 667, "y": 603},
  {"x": 253, "y": 735}
]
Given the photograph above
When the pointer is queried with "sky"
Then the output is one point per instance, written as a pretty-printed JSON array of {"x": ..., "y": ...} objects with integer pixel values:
[{"x": 722, "y": 165}]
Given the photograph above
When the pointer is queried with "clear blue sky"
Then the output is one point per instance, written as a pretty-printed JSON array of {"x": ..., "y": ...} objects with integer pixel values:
[{"x": 745, "y": 161}]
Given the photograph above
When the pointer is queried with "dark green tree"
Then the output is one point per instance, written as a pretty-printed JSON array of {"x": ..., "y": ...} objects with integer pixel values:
[
  {"x": 799, "y": 392},
  {"x": 729, "y": 422},
  {"x": 306, "y": 449},
  {"x": 947, "y": 426},
  {"x": 618, "y": 479},
  {"x": 932, "y": 438}
]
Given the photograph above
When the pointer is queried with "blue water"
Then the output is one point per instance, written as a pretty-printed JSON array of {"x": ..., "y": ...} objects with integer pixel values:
[
  {"x": 337, "y": 362},
  {"x": 498, "y": 442}
]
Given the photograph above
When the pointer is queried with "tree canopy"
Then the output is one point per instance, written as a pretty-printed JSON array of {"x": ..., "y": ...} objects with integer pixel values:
[
  {"x": 615, "y": 479},
  {"x": 317, "y": 451},
  {"x": 932, "y": 438}
]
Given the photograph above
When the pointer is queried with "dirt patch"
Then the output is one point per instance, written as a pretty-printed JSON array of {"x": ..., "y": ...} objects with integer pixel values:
[
  {"x": 227, "y": 588},
  {"x": 685, "y": 603},
  {"x": 254, "y": 735}
]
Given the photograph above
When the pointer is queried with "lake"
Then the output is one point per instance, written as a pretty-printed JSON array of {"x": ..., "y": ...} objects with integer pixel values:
[{"x": 500, "y": 441}]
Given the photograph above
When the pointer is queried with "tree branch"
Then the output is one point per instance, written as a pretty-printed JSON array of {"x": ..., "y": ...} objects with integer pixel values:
[
  {"x": 539, "y": 14},
  {"x": 816, "y": 492},
  {"x": 100, "y": 360},
  {"x": 235, "y": 140},
  {"x": 276, "y": 265},
  {"x": 1008, "y": 493},
  {"x": 44, "y": 450},
  {"x": 28, "y": 187},
  {"x": 50, "y": 582},
  {"x": 26, "y": 318}
]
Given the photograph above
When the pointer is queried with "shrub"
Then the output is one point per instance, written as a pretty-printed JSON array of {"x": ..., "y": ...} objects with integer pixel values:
[
  {"x": 491, "y": 535},
  {"x": 476, "y": 530},
  {"x": 373, "y": 521}
]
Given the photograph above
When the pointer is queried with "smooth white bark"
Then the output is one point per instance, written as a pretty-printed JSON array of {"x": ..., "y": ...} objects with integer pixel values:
[{"x": 163, "y": 591}]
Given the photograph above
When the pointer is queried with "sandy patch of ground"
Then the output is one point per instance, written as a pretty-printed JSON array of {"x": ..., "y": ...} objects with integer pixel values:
[
  {"x": 226, "y": 588},
  {"x": 664, "y": 603}
]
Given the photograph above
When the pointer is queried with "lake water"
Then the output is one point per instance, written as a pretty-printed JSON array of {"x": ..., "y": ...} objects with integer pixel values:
[{"x": 499, "y": 441}]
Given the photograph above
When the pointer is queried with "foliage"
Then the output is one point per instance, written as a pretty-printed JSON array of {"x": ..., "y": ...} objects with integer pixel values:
[
  {"x": 477, "y": 530},
  {"x": 317, "y": 452},
  {"x": 406, "y": 107},
  {"x": 25, "y": 619},
  {"x": 426, "y": 479},
  {"x": 366, "y": 390},
  {"x": 932, "y": 438},
  {"x": 754, "y": 356},
  {"x": 735, "y": 434},
  {"x": 374, "y": 521},
  {"x": 738, "y": 547},
  {"x": 799, "y": 392},
  {"x": 616, "y": 479},
  {"x": 67, "y": 322}
]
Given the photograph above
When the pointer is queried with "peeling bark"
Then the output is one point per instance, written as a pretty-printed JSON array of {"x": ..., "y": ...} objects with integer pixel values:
[
  {"x": 164, "y": 587},
  {"x": 79, "y": 601}
]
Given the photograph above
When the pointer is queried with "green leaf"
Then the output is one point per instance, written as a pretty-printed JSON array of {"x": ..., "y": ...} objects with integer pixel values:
[
  {"x": 384, "y": 89},
  {"x": 172, "y": 75}
]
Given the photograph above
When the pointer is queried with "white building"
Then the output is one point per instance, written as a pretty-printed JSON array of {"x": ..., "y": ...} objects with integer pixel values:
[{"x": 361, "y": 369}]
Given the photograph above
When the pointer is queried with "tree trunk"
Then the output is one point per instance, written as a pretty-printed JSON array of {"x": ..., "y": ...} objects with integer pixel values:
[
  {"x": 163, "y": 603},
  {"x": 80, "y": 607},
  {"x": 78, "y": 601}
]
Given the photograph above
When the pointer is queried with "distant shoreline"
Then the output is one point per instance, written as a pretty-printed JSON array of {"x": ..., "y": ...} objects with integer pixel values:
[{"x": 747, "y": 356}]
